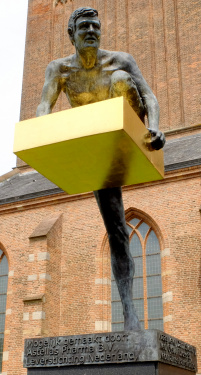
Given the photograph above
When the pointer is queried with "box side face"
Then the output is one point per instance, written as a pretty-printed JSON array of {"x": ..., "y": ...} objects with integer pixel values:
[
  {"x": 138, "y": 132},
  {"x": 96, "y": 118},
  {"x": 77, "y": 165},
  {"x": 103, "y": 156},
  {"x": 91, "y": 163}
]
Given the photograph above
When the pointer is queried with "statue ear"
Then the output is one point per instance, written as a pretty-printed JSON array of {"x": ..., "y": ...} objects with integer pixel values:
[{"x": 71, "y": 34}]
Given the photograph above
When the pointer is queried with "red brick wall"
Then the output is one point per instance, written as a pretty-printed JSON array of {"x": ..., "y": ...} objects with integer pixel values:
[
  {"x": 77, "y": 269},
  {"x": 164, "y": 38}
]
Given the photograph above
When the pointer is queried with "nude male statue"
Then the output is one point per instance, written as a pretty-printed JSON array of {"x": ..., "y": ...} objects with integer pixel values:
[{"x": 88, "y": 76}]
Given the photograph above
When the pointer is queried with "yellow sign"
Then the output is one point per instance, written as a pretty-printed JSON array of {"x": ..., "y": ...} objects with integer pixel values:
[{"x": 91, "y": 147}]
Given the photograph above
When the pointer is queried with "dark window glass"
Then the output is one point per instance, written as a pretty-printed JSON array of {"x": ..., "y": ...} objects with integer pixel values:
[
  {"x": 156, "y": 324},
  {"x": 2, "y": 322},
  {"x": 117, "y": 327},
  {"x": 153, "y": 263},
  {"x": 143, "y": 229},
  {"x": 138, "y": 267},
  {"x": 139, "y": 307},
  {"x": 134, "y": 222},
  {"x": 2, "y": 303},
  {"x": 117, "y": 312},
  {"x": 115, "y": 292},
  {"x": 129, "y": 229},
  {"x": 153, "y": 245},
  {"x": 138, "y": 291},
  {"x": 4, "y": 284},
  {"x": 155, "y": 308},
  {"x": 135, "y": 246},
  {"x": 1, "y": 342},
  {"x": 3, "y": 266},
  {"x": 1, "y": 349},
  {"x": 154, "y": 286}
]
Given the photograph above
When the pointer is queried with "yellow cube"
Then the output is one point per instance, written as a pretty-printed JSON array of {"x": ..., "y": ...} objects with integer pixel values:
[{"x": 87, "y": 148}]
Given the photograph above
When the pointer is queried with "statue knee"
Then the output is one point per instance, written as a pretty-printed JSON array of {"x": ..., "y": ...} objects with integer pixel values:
[
  {"x": 123, "y": 85},
  {"x": 121, "y": 81}
]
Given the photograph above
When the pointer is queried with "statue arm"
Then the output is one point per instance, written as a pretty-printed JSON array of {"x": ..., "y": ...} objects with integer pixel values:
[
  {"x": 149, "y": 100},
  {"x": 51, "y": 90},
  {"x": 150, "y": 103}
]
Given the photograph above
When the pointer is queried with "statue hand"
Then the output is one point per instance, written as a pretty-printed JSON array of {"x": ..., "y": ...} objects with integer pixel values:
[{"x": 157, "y": 139}]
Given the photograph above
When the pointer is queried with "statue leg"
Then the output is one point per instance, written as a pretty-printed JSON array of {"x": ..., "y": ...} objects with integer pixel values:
[
  {"x": 111, "y": 207},
  {"x": 123, "y": 85}
]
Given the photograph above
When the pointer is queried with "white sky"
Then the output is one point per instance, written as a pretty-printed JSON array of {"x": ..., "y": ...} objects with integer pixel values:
[{"x": 13, "y": 15}]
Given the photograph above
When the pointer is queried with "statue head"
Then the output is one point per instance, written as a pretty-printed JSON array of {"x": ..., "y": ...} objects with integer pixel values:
[{"x": 84, "y": 13}]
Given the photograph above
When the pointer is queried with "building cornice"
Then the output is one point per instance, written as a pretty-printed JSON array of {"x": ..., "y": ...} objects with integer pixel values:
[
  {"x": 57, "y": 196},
  {"x": 183, "y": 130}
]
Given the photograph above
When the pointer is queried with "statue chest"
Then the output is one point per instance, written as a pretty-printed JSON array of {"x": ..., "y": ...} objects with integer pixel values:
[{"x": 85, "y": 87}]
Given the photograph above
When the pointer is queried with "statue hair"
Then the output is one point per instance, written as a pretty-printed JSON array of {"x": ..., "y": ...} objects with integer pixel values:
[{"x": 80, "y": 12}]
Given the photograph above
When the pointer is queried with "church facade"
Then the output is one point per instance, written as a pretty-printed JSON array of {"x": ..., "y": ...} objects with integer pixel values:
[{"x": 55, "y": 273}]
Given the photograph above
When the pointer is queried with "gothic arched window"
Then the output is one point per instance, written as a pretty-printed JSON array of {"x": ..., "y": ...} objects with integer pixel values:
[
  {"x": 147, "y": 286},
  {"x": 3, "y": 296}
]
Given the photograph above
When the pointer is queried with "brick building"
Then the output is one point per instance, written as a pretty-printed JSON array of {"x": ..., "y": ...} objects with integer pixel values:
[{"x": 53, "y": 247}]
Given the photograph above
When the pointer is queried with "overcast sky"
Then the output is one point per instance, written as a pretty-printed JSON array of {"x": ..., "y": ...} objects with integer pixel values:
[{"x": 13, "y": 16}]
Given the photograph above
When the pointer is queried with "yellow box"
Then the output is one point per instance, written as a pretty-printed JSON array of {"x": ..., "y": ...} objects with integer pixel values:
[{"x": 88, "y": 148}]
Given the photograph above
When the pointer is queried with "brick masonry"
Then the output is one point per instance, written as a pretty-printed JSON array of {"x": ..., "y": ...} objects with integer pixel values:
[
  {"x": 59, "y": 264},
  {"x": 74, "y": 295}
]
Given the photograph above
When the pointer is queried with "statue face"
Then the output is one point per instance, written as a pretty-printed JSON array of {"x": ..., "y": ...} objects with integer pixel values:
[{"x": 87, "y": 33}]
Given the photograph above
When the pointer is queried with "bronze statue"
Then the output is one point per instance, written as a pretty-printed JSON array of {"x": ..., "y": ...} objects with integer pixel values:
[{"x": 91, "y": 75}]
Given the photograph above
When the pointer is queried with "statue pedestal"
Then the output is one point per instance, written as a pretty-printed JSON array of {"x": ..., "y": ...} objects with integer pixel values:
[
  {"x": 91, "y": 147},
  {"x": 149, "y": 352},
  {"x": 148, "y": 368}
]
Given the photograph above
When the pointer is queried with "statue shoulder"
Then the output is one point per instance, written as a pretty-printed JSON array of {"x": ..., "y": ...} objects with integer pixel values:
[
  {"x": 55, "y": 67},
  {"x": 123, "y": 59}
]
